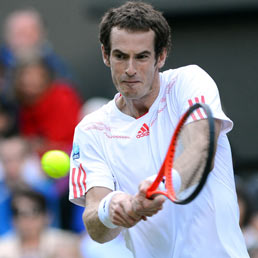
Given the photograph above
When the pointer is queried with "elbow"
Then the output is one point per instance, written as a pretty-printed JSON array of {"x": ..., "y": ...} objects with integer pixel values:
[
  {"x": 98, "y": 239},
  {"x": 99, "y": 236}
]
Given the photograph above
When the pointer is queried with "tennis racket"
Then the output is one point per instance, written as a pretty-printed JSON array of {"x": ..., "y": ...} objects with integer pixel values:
[{"x": 192, "y": 179}]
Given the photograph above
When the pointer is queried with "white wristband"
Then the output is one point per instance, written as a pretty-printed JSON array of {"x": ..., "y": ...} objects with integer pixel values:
[
  {"x": 103, "y": 210},
  {"x": 176, "y": 179}
]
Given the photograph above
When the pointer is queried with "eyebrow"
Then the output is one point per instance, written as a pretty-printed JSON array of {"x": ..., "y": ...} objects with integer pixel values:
[{"x": 145, "y": 52}]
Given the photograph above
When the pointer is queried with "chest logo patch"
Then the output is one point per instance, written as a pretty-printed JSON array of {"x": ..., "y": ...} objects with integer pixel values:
[{"x": 144, "y": 131}]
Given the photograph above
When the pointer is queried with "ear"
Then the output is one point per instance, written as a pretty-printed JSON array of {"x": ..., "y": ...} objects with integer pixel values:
[
  {"x": 162, "y": 59},
  {"x": 105, "y": 56}
]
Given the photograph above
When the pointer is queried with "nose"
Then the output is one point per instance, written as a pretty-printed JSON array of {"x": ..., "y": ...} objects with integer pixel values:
[{"x": 130, "y": 70}]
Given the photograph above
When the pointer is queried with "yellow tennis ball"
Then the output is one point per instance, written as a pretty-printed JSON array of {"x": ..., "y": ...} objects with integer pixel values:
[{"x": 55, "y": 163}]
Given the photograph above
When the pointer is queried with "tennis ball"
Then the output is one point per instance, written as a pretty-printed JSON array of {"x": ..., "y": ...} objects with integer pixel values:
[{"x": 55, "y": 163}]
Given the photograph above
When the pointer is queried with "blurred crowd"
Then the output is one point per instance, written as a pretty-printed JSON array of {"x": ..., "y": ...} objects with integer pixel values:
[
  {"x": 247, "y": 191},
  {"x": 39, "y": 109}
]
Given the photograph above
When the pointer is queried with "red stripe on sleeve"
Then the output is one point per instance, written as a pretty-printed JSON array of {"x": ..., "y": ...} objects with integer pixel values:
[
  {"x": 198, "y": 110},
  {"x": 84, "y": 177},
  {"x": 78, "y": 181},
  {"x": 73, "y": 183},
  {"x": 190, "y": 104},
  {"x": 202, "y": 99}
]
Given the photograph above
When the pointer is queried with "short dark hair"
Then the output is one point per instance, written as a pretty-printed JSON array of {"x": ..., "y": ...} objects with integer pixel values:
[
  {"x": 26, "y": 192},
  {"x": 136, "y": 16}
]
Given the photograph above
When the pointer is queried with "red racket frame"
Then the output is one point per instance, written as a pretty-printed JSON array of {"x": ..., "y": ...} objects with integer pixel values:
[{"x": 166, "y": 168}]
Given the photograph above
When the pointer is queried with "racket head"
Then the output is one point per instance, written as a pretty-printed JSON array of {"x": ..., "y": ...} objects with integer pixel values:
[{"x": 193, "y": 180}]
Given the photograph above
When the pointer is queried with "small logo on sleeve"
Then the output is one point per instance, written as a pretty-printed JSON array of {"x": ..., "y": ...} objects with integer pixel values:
[{"x": 76, "y": 151}]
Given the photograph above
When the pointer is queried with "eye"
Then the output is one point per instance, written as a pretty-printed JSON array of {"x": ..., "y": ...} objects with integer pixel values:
[
  {"x": 120, "y": 56},
  {"x": 142, "y": 56}
]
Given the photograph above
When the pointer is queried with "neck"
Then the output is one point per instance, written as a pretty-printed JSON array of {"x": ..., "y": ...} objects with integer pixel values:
[
  {"x": 30, "y": 243},
  {"x": 134, "y": 108},
  {"x": 139, "y": 106}
]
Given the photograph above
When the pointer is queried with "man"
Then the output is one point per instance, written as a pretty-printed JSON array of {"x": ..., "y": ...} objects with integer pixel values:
[
  {"x": 123, "y": 143},
  {"x": 32, "y": 235},
  {"x": 25, "y": 37}
]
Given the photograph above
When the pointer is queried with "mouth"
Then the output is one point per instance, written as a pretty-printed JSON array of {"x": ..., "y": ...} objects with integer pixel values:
[{"x": 130, "y": 82}]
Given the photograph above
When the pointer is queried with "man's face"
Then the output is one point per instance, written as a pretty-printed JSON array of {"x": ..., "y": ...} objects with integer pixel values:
[
  {"x": 32, "y": 82},
  {"x": 132, "y": 62},
  {"x": 29, "y": 219},
  {"x": 24, "y": 32}
]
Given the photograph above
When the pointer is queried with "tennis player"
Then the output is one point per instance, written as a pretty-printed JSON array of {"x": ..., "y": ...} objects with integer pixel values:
[{"x": 120, "y": 145}]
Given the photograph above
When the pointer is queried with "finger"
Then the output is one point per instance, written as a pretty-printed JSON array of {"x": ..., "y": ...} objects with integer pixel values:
[
  {"x": 144, "y": 185},
  {"x": 123, "y": 216},
  {"x": 122, "y": 220},
  {"x": 146, "y": 207},
  {"x": 149, "y": 212},
  {"x": 159, "y": 199}
]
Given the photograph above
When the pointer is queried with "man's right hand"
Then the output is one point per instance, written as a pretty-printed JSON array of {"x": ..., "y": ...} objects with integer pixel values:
[{"x": 126, "y": 210}]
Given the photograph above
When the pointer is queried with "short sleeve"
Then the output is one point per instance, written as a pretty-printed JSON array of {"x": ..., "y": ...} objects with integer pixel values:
[
  {"x": 88, "y": 167},
  {"x": 194, "y": 86}
]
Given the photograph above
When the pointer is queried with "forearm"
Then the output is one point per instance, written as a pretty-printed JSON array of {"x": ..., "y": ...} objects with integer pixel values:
[
  {"x": 190, "y": 163},
  {"x": 193, "y": 159},
  {"x": 96, "y": 229},
  {"x": 107, "y": 212}
]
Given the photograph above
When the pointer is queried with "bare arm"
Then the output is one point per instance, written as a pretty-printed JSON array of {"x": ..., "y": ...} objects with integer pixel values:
[
  {"x": 124, "y": 211},
  {"x": 95, "y": 228},
  {"x": 195, "y": 140}
]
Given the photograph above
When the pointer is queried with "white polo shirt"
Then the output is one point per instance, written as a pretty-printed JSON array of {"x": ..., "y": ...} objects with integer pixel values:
[{"x": 117, "y": 151}]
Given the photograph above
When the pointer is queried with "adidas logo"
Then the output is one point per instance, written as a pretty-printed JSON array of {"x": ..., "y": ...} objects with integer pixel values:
[{"x": 144, "y": 131}]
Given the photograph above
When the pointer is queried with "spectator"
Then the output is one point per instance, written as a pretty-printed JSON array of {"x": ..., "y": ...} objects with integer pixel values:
[
  {"x": 48, "y": 109},
  {"x": 8, "y": 119},
  {"x": 8, "y": 111},
  {"x": 251, "y": 229},
  {"x": 2, "y": 78},
  {"x": 33, "y": 237},
  {"x": 25, "y": 35},
  {"x": 48, "y": 113},
  {"x": 20, "y": 166},
  {"x": 244, "y": 202}
]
